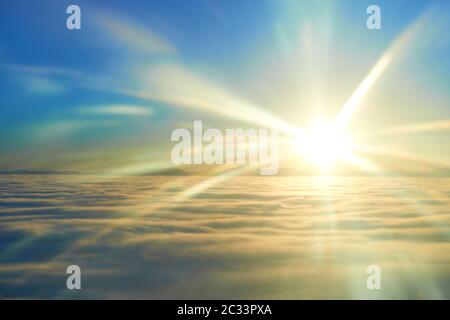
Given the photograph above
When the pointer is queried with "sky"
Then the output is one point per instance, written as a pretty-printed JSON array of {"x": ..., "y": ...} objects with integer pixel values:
[{"x": 106, "y": 97}]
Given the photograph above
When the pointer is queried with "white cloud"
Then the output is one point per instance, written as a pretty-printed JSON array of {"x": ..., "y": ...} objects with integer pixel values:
[
  {"x": 42, "y": 85},
  {"x": 117, "y": 109},
  {"x": 136, "y": 36},
  {"x": 246, "y": 238}
]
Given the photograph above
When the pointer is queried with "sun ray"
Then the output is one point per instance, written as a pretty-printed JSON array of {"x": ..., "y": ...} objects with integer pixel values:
[
  {"x": 402, "y": 156},
  {"x": 400, "y": 44},
  {"x": 181, "y": 87},
  {"x": 209, "y": 183},
  {"x": 421, "y": 127},
  {"x": 361, "y": 162}
]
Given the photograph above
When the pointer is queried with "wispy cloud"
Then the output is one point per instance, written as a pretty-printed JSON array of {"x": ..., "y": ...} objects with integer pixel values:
[
  {"x": 181, "y": 86},
  {"x": 135, "y": 35},
  {"x": 116, "y": 109},
  {"x": 41, "y": 85},
  {"x": 432, "y": 126},
  {"x": 54, "y": 74},
  {"x": 64, "y": 128}
]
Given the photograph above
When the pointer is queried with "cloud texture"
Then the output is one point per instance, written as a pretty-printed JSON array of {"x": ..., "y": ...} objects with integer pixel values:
[{"x": 249, "y": 237}]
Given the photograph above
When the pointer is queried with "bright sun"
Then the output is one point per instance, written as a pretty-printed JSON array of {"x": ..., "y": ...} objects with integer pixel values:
[{"x": 322, "y": 144}]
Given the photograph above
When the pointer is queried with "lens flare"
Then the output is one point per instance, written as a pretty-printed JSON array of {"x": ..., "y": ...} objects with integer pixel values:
[{"x": 323, "y": 144}]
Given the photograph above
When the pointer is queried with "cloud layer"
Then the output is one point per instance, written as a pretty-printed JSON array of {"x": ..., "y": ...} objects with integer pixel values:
[{"x": 249, "y": 237}]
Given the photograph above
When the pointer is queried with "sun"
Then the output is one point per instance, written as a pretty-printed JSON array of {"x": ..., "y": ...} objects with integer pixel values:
[{"x": 323, "y": 144}]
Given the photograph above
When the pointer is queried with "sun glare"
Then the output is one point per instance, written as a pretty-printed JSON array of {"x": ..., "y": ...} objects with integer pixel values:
[{"x": 323, "y": 144}]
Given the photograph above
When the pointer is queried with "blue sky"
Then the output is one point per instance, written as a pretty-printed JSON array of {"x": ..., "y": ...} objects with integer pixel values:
[{"x": 49, "y": 75}]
